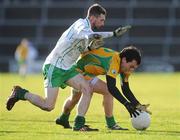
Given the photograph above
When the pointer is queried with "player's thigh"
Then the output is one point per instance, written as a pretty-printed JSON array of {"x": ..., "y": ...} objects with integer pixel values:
[
  {"x": 100, "y": 86},
  {"x": 51, "y": 94},
  {"x": 78, "y": 82}
]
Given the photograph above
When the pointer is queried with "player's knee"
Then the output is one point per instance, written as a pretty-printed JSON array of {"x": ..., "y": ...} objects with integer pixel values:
[
  {"x": 87, "y": 90},
  {"x": 48, "y": 108},
  {"x": 108, "y": 95}
]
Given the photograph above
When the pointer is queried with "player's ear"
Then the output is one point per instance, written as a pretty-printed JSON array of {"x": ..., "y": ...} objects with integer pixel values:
[{"x": 92, "y": 18}]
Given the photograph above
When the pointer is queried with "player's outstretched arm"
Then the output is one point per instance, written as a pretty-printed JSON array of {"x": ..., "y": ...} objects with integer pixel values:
[
  {"x": 130, "y": 96},
  {"x": 111, "y": 84},
  {"x": 97, "y": 35},
  {"x": 117, "y": 33},
  {"x": 128, "y": 93}
]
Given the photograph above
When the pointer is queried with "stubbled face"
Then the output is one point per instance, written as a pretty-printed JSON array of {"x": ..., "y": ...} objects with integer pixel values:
[
  {"x": 128, "y": 67},
  {"x": 97, "y": 22}
]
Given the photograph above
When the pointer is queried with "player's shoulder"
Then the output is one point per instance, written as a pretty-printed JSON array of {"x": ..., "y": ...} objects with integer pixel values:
[
  {"x": 116, "y": 55},
  {"x": 81, "y": 21},
  {"x": 108, "y": 50},
  {"x": 82, "y": 24}
]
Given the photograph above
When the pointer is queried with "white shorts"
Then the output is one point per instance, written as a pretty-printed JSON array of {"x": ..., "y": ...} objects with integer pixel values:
[{"x": 92, "y": 82}]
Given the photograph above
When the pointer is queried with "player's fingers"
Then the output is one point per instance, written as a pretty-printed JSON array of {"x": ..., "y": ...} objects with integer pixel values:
[
  {"x": 135, "y": 114},
  {"x": 147, "y": 105},
  {"x": 126, "y": 27},
  {"x": 99, "y": 42},
  {"x": 139, "y": 109},
  {"x": 142, "y": 108},
  {"x": 149, "y": 112}
]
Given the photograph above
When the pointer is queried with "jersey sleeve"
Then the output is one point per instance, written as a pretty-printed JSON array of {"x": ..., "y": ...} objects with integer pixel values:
[
  {"x": 126, "y": 89},
  {"x": 104, "y": 34}
]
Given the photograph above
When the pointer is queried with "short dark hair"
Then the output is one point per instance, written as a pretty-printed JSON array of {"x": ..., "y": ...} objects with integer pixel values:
[
  {"x": 131, "y": 53},
  {"x": 96, "y": 10}
]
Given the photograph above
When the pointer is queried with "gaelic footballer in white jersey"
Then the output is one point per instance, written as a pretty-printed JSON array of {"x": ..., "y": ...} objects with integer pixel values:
[{"x": 72, "y": 43}]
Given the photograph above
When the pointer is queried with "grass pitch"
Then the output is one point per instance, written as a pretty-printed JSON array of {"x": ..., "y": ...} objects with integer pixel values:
[{"x": 27, "y": 122}]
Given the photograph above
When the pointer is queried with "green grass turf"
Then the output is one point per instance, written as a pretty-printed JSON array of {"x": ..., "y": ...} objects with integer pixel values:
[{"x": 27, "y": 122}]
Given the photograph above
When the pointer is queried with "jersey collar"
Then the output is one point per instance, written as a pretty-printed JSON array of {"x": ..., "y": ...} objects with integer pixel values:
[{"x": 88, "y": 22}]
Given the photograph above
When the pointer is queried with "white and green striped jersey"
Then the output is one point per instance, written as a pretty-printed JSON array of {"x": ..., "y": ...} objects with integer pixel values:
[{"x": 72, "y": 43}]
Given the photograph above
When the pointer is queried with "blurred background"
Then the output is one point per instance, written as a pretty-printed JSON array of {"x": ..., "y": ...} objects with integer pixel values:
[{"x": 156, "y": 29}]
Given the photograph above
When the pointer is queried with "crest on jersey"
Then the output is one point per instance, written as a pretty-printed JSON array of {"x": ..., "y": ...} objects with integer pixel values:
[{"x": 114, "y": 71}]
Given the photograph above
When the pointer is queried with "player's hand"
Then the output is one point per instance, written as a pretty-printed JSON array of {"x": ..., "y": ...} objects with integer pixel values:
[
  {"x": 143, "y": 107},
  {"x": 94, "y": 36},
  {"x": 96, "y": 43},
  {"x": 131, "y": 109},
  {"x": 121, "y": 30}
]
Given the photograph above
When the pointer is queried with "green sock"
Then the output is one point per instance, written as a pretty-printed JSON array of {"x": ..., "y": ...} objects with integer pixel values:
[
  {"x": 79, "y": 122},
  {"x": 110, "y": 121},
  {"x": 64, "y": 117},
  {"x": 21, "y": 93}
]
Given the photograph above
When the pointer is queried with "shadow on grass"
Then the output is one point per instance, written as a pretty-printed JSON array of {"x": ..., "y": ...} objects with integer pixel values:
[
  {"x": 69, "y": 132},
  {"x": 38, "y": 132},
  {"x": 66, "y": 133},
  {"x": 149, "y": 132},
  {"x": 165, "y": 132},
  {"x": 11, "y": 120},
  {"x": 36, "y": 120},
  {"x": 106, "y": 131}
]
